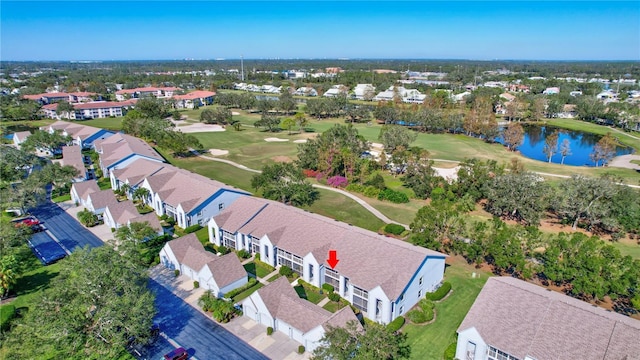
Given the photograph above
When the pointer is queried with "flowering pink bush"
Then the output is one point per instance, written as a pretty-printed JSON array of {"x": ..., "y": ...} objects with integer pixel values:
[{"x": 337, "y": 181}]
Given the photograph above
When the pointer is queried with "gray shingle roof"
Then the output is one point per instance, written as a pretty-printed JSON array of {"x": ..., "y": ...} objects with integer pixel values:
[
  {"x": 525, "y": 319},
  {"x": 366, "y": 258},
  {"x": 102, "y": 198},
  {"x": 123, "y": 211},
  {"x": 150, "y": 218},
  {"x": 135, "y": 172},
  {"x": 284, "y": 304},
  {"x": 226, "y": 269},
  {"x": 84, "y": 188},
  {"x": 119, "y": 146},
  {"x": 72, "y": 156}
]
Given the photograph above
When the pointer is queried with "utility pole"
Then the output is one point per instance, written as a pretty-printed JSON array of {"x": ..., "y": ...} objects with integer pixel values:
[{"x": 242, "y": 68}]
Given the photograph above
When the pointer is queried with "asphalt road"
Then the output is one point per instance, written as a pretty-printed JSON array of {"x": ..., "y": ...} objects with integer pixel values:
[
  {"x": 201, "y": 336},
  {"x": 64, "y": 227}
]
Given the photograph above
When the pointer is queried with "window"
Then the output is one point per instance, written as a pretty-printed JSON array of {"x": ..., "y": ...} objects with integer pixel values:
[
  {"x": 471, "y": 351},
  {"x": 228, "y": 239},
  {"x": 378, "y": 307},
  {"x": 420, "y": 281},
  {"x": 266, "y": 252},
  {"x": 419, "y": 294},
  {"x": 401, "y": 309},
  {"x": 255, "y": 245},
  {"x": 332, "y": 278},
  {"x": 310, "y": 271},
  {"x": 220, "y": 206},
  {"x": 360, "y": 298},
  {"x": 495, "y": 354},
  {"x": 286, "y": 258}
]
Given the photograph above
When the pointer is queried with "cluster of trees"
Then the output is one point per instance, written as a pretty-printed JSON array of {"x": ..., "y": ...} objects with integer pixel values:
[
  {"x": 97, "y": 303},
  {"x": 326, "y": 107},
  {"x": 286, "y": 183},
  {"x": 158, "y": 130},
  {"x": 284, "y": 104},
  {"x": 216, "y": 115}
]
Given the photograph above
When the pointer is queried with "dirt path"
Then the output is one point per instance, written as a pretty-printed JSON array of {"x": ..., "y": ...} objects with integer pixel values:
[{"x": 624, "y": 161}]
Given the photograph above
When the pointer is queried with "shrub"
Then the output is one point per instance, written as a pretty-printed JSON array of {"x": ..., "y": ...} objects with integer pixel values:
[
  {"x": 417, "y": 316},
  {"x": 244, "y": 254},
  {"x": 355, "y": 187},
  {"x": 310, "y": 173},
  {"x": 192, "y": 228},
  {"x": 196, "y": 284},
  {"x": 7, "y": 313},
  {"x": 257, "y": 257},
  {"x": 176, "y": 272},
  {"x": 113, "y": 230},
  {"x": 285, "y": 271},
  {"x": 269, "y": 330},
  {"x": 371, "y": 191},
  {"x": 396, "y": 324},
  {"x": 300, "y": 349},
  {"x": 442, "y": 291},
  {"x": 337, "y": 181},
  {"x": 393, "y": 196},
  {"x": 308, "y": 129},
  {"x": 635, "y": 302},
  {"x": 377, "y": 182},
  {"x": 234, "y": 292},
  {"x": 426, "y": 305},
  {"x": 164, "y": 217},
  {"x": 450, "y": 352},
  {"x": 394, "y": 229},
  {"x": 223, "y": 250},
  {"x": 335, "y": 297},
  {"x": 328, "y": 287}
]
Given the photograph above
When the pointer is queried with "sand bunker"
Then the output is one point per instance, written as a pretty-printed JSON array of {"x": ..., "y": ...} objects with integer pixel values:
[
  {"x": 272, "y": 139},
  {"x": 218, "y": 152},
  {"x": 300, "y": 141},
  {"x": 235, "y": 113},
  {"x": 198, "y": 127}
]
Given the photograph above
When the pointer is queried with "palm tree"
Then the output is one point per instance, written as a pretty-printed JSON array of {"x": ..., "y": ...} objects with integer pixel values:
[
  {"x": 141, "y": 194},
  {"x": 125, "y": 188},
  {"x": 7, "y": 274}
]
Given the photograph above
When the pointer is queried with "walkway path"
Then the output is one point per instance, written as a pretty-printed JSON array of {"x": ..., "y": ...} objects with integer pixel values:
[
  {"x": 364, "y": 204},
  {"x": 622, "y": 132}
]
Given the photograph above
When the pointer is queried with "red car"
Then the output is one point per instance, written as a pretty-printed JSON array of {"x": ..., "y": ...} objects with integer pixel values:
[
  {"x": 177, "y": 354},
  {"x": 27, "y": 222}
]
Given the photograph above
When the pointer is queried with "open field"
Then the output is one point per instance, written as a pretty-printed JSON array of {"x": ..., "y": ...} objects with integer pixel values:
[
  {"x": 114, "y": 124},
  {"x": 429, "y": 341}
]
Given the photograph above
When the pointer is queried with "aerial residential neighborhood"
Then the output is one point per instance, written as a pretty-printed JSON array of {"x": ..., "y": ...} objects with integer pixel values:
[{"x": 307, "y": 180}]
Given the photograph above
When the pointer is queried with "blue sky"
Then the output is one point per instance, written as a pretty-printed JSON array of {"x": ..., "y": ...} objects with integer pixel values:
[{"x": 125, "y": 30}]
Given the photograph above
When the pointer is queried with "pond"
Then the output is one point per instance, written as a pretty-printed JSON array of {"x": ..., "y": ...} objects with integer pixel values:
[{"x": 581, "y": 144}]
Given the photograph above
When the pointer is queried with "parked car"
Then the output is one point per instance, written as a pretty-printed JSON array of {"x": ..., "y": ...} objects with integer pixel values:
[{"x": 177, "y": 354}]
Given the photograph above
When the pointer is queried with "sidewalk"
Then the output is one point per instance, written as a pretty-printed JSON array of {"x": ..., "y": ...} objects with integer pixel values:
[
  {"x": 103, "y": 232},
  {"x": 276, "y": 346}
]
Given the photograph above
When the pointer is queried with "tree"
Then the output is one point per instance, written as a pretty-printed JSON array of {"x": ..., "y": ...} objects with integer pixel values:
[
  {"x": 519, "y": 196},
  {"x": 351, "y": 342},
  {"x": 536, "y": 108},
  {"x": 604, "y": 150},
  {"x": 288, "y": 123},
  {"x": 270, "y": 122},
  {"x": 64, "y": 108},
  {"x": 585, "y": 198},
  {"x": 45, "y": 141},
  {"x": 513, "y": 135},
  {"x": 551, "y": 145},
  {"x": 285, "y": 183},
  {"x": 218, "y": 115},
  {"x": 91, "y": 310},
  {"x": 8, "y": 264},
  {"x": 589, "y": 108},
  {"x": 395, "y": 136},
  {"x": 141, "y": 194},
  {"x": 436, "y": 222},
  {"x": 153, "y": 108},
  {"x": 554, "y": 107},
  {"x": 565, "y": 149},
  {"x": 126, "y": 189},
  {"x": 286, "y": 102},
  {"x": 87, "y": 218},
  {"x": 301, "y": 120}
]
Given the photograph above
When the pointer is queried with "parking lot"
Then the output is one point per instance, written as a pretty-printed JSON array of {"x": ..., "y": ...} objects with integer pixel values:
[{"x": 69, "y": 232}]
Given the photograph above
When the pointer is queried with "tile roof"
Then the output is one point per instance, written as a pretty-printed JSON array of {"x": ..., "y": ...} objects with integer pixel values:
[
  {"x": 524, "y": 319},
  {"x": 84, "y": 188},
  {"x": 180, "y": 246},
  {"x": 72, "y": 156},
  {"x": 198, "y": 94},
  {"x": 123, "y": 211},
  {"x": 283, "y": 303},
  {"x": 301, "y": 233},
  {"x": 102, "y": 198},
  {"x": 244, "y": 209}
]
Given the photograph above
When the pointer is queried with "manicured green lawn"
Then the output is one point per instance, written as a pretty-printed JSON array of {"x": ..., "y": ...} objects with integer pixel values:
[
  {"x": 573, "y": 124},
  {"x": 628, "y": 247},
  {"x": 333, "y": 306},
  {"x": 203, "y": 235},
  {"x": 309, "y": 294},
  {"x": 32, "y": 283},
  {"x": 430, "y": 341},
  {"x": 104, "y": 183},
  {"x": 245, "y": 294},
  {"x": 342, "y": 208},
  {"x": 61, "y": 198},
  {"x": 258, "y": 268},
  {"x": 114, "y": 124},
  {"x": 250, "y": 268},
  {"x": 274, "y": 278}
]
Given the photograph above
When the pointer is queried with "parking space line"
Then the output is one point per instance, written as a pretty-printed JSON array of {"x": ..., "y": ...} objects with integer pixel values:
[{"x": 57, "y": 241}]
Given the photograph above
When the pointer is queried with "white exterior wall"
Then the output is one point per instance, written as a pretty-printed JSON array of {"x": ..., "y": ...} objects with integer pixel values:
[
  {"x": 74, "y": 196},
  {"x": 224, "y": 199},
  {"x": 271, "y": 259},
  {"x": 108, "y": 219},
  {"x": 289, "y": 330},
  {"x": 125, "y": 162},
  {"x": 168, "y": 259},
  {"x": 206, "y": 280},
  {"x": 255, "y": 309},
  {"x": 313, "y": 279},
  {"x": 385, "y": 315},
  {"x": 466, "y": 337}
]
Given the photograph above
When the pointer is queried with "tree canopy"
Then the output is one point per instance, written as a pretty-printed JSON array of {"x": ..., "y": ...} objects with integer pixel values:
[
  {"x": 284, "y": 182},
  {"x": 90, "y": 310},
  {"x": 44, "y": 141}
]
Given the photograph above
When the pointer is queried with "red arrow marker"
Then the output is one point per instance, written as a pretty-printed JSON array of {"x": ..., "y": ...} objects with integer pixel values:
[{"x": 333, "y": 258}]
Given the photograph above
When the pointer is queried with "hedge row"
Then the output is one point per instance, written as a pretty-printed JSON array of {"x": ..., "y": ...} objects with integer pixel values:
[
  {"x": 394, "y": 229},
  {"x": 393, "y": 196},
  {"x": 192, "y": 229},
  {"x": 231, "y": 294},
  {"x": 396, "y": 324},
  {"x": 442, "y": 291}
]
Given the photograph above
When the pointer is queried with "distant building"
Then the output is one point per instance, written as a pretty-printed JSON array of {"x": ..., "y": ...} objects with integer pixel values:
[
  {"x": 551, "y": 91},
  {"x": 364, "y": 92},
  {"x": 194, "y": 99}
]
